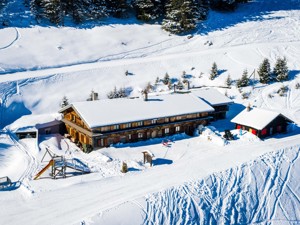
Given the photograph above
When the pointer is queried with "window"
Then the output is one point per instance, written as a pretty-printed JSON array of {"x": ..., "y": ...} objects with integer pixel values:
[
  {"x": 178, "y": 117},
  {"x": 116, "y": 127},
  {"x": 103, "y": 129},
  {"x": 154, "y": 121},
  {"x": 177, "y": 129},
  {"x": 129, "y": 136},
  {"x": 73, "y": 118},
  {"x": 140, "y": 135},
  {"x": 128, "y": 125},
  {"x": 167, "y": 120},
  {"x": 140, "y": 123},
  {"x": 167, "y": 130}
]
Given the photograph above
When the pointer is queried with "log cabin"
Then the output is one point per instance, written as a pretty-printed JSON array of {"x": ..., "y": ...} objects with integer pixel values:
[
  {"x": 261, "y": 122},
  {"x": 98, "y": 124}
]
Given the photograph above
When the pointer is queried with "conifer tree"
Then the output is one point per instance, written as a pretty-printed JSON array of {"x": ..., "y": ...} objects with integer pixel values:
[
  {"x": 281, "y": 70},
  {"x": 64, "y": 102},
  {"x": 181, "y": 16},
  {"x": 228, "y": 80},
  {"x": 117, "y": 8},
  {"x": 145, "y": 10},
  {"x": 179, "y": 85},
  {"x": 244, "y": 81},
  {"x": 53, "y": 11},
  {"x": 166, "y": 79},
  {"x": 264, "y": 71},
  {"x": 214, "y": 71}
]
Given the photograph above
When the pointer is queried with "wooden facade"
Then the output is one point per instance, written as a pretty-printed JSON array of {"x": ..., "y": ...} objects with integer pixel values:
[
  {"x": 278, "y": 125},
  {"x": 104, "y": 136},
  {"x": 220, "y": 111}
]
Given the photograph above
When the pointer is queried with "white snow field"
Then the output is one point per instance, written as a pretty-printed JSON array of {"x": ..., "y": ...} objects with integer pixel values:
[{"x": 193, "y": 180}]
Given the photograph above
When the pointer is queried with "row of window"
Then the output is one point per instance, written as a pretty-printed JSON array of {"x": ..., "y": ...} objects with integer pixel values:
[
  {"x": 150, "y": 122},
  {"x": 140, "y": 135}
]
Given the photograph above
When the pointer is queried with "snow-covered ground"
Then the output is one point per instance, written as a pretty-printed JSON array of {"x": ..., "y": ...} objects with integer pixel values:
[{"x": 194, "y": 180}]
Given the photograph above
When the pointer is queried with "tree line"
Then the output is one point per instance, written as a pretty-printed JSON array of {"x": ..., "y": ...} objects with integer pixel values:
[{"x": 176, "y": 16}]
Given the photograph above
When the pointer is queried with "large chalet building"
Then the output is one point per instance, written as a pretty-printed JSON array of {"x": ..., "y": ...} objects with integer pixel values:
[{"x": 98, "y": 124}]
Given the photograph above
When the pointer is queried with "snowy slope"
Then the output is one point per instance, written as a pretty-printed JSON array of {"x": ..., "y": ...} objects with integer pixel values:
[{"x": 194, "y": 180}]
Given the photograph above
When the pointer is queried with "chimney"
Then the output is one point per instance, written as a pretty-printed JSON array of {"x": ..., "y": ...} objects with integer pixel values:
[
  {"x": 94, "y": 96},
  {"x": 145, "y": 95}
]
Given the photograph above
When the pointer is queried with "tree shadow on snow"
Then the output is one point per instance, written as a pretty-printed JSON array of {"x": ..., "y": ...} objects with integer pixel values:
[
  {"x": 293, "y": 74},
  {"x": 251, "y": 11}
]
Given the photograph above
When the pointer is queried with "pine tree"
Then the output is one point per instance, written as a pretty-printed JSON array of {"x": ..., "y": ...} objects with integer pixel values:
[
  {"x": 53, "y": 11},
  {"x": 281, "y": 70},
  {"x": 244, "y": 81},
  {"x": 64, "y": 102},
  {"x": 166, "y": 79},
  {"x": 179, "y": 85},
  {"x": 157, "y": 80},
  {"x": 117, "y": 8},
  {"x": 214, "y": 71},
  {"x": 181, "y": 16},
  {"x": 122, "y": 93},
  {"x": 145, "y": 10},
  {"x": 36, "y": 8},
  {"x": 228, "y": 80},
  {"x": 97, "y": 9},
  {"x": 264, "y": 71}
]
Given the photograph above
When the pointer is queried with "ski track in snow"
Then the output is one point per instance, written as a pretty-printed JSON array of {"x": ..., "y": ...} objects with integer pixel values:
[
  {"x": 232, "y": 196},
  {"x": 17, "y": 36},
  {"x": 32, "y": 162}
]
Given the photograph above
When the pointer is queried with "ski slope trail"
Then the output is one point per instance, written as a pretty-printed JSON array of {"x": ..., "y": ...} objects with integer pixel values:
[
  {"x": 255, "y": 192},
  {"x": 109, "y": 193},
  {"x": 230, "y": 53},
  {"x": 31, "y": 162},
  {"x": 11, "y": 36}
]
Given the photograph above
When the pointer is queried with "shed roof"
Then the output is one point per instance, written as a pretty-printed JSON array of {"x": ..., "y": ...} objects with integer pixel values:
[
  {"x": 257, "y": 118},
  {"x": 212, "y": 96},
  {"x": 117, "y": 111},
  {"x": 31, "y": 123}
]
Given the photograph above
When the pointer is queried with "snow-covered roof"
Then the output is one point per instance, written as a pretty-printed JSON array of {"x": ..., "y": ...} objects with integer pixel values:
[
  {"x": 31, "y": 123},
  {"x": 116, "y": 111},
  {"x": 212, "y": 96},
  {"x": 257, "y": 118}
]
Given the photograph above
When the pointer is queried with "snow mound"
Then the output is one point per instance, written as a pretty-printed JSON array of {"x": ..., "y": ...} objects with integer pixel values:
[{"x": 211, "y": 134}]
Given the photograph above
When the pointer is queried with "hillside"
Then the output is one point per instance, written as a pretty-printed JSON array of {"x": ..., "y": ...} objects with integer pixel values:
[{"x": 195, "y": 181}]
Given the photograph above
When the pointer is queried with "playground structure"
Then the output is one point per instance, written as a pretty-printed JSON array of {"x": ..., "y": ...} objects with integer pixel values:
[{"x": 59, "y": 165}]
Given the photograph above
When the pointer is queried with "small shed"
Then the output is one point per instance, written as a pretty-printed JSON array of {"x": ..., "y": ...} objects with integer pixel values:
[
  {"x": 30, "y": 126},
  {"x": 261, "y": 122}
]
